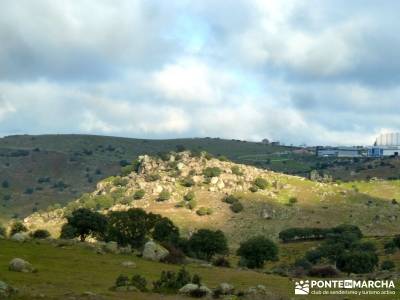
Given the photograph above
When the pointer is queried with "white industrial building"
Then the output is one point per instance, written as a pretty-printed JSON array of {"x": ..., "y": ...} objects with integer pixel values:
[{"x": 387, "y": 144}]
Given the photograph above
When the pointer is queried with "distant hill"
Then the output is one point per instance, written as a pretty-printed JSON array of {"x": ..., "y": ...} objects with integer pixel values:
[{"x": 38, "y": 171}]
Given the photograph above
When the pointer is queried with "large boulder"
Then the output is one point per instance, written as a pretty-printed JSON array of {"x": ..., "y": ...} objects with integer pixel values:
[
  {"x": 226, "y": 288},
  {"x": 20, "y": 237},
  {"x": 20, "y": 265},
  {"x": 192, "y": 289},
  {"x": 154, "y": 251},
  {"x": 188, "y": 288}
]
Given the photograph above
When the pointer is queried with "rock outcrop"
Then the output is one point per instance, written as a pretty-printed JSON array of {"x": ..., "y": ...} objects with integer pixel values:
[
  {"x": 20, "y": 265},
  {"x": 154, "y": 251}
]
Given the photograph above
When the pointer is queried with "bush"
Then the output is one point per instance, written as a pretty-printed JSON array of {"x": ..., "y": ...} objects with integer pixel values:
[
  {"x": 236, "y": 207},
  {"x": 122, "y": 280},
  {"x": 40, "y": 234},
  {"x": 175, "y": 256},
  {"x": 261, "y": 183},
  {"x": 253, "y": 189},
  {"x": 164, "y": 196},
  {"x": 67, "y": 232},
  {"x": 152, "y": 177},
  {"x": 255, "y": 251},
  {"x": 221, "y": 261},
  {"x": 139, "y": 282},
  {"x": 165, "y": 231},
  {"x": 17, "y": 227},
  {"x": 236, "y": 171},
  {"x": 5, "y": 184},
  {"x": 192, "y": 204},
  {"x": 189, "y": 196},
  {"x": 212, "y": 172},
  {"x": 292, "y": 200},
  {"x": 222, "y": 158},
  {"x": 119, "y": 181},
  {"x": 202, "y": 211},
  {"x": 205, "y": 243},
  {"x": 2, "y": 231},
  {"x": 187, "y": 182},
  {"x": 126, "y": 170},
  {"x": 387, "y": 265},
  {"x": 139, "y": 194},
  {"x": 390, "y": 247},
  {"x": 171, "y": 282},
  {"x": 230, "y": 199},
  {"x": 323, "y": 271},
  {"x": 396, "y": 241},
  {"x": 303, "y": 263}
]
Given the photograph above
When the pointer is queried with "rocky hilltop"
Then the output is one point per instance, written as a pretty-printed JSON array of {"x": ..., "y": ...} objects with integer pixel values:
[{"x": 196, "y": 190}]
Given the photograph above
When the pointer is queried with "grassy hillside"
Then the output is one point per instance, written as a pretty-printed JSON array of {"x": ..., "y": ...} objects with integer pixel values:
[
  {"x": 287, "y": 201},
  {"x": 73, "y": 270},
  {"x": 43, "y": 170}
]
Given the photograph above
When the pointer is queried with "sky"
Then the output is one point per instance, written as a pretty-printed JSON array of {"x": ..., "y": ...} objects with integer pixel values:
[{"x": 309, "y": 72}]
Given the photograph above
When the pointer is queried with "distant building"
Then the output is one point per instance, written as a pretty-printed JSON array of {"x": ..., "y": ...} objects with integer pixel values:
[
  {"x": 387, "y": 144},
  {"x": 339, "y": 151}
]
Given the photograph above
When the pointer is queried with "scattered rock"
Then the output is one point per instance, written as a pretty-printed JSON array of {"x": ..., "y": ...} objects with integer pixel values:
[
  {"x": 188, "y": 288},
  {"x": 6, "y": 290},
  {"x": 128, "y": 264},
  {"x": 125, "y": 250},
  {"x": 20, "y": 237},
  {"x": 126, "y": 288},
  {"x": 20, "y": 265},
  {"x": 226, "y": 288},
  {"x": 111, "y": 247},
  {"x": 154, "y": 251}
]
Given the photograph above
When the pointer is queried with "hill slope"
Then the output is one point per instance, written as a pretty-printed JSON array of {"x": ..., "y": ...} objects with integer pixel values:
[
  {"x": 287, "y": 201},
  {"x": 38, "y": 171}
]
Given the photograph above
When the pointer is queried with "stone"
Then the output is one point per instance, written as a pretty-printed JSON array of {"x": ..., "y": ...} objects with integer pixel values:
[
  {"x": 220, "y": 184},
  {"x": 125, "y": 250},
  {"x": 6, "y": 290},
  {"x": 180, "y": 166},
  {"x": 205, "y": 289},
  {"x": 188, "y": 288},
  {"x": 20, "y": 265},
  {"x": 111, "y": 247},
  {"x": 214, "y": 180},
  {"x": 154, "y": 251},
  {"x": 128, "y": 264},
  {"x": 20, "y": 237},
  {"x": 226, "y": 288}
]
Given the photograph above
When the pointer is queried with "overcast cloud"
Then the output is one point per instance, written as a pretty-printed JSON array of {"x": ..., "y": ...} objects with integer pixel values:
[{"x": 315, "y": 72}]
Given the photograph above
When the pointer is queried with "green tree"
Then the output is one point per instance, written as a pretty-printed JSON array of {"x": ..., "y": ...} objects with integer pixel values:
[
  {"x": 255, "y": 251},
  {"x": 86, "y": 222},
  {"x": 357, "y": 262},
  {"x": 205, "y": 243},
  {"x": 166, "y": 231}
]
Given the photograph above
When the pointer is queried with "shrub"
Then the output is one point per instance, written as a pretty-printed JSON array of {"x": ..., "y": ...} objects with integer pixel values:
[
  {"x": 164, "y": 196},
  {"x": 67, "y": 232},
  {"x": 17, "y": 227},
  {"x": 5, "y": 184},
  {"x": 230, "y": 199},
  {"x": 212, "y": 172},
  {"x": 171, "y": 282},
  {"x": 205, "y": 243},
  {"x": 40, "y": 234},
  {"x": 261, "y": 183},
  {"x": 222, "y": 158},
  {"x": 165, "y": 156},
  {"x": 357, "y": 262},
  {"x": 255, "y": 251},
  {"x": 236, "y": 207},
  {"x": 192, "y": 204},
  {"x": 152, "y": 177},
  {"x": 187, "y": 182},
  {"x": 202, "y": 211},
  {"x": 2, "y": 231},
  {"x": 139, "y": 194},
  {"x": 126, "y": 170},
  {"x": 122, "y": 280},
  {"x": 303, "y": 263},
  {"x": 390, "y": 247},
  {"x": 236, "y": 171},
  {"x": 175, "y": 256},
  {"x": 387, "y": 265},
  {"x": 292, "y": 200},
  {"x": 323, "y": 271},
  {"x": 139, "y": 282},
  {"x": 189, "y": 196},
  {"x": 253, "y": 189},
  {"x": 180, "y": 148},
  {"x": 208, "y": 156},
  {"x": 221, "y": 261},
  {"x": 396, "y": 241},
  {"x": 119, "y": 181}
]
